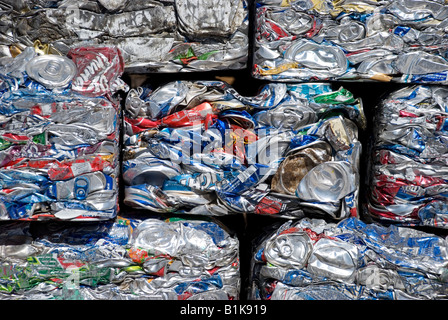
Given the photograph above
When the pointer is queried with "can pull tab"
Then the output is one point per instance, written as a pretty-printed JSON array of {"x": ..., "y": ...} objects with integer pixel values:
[
  {"x": 81, "y": 188},
  {"x": 40, "y": 48},
  {"x": 43, "y": 49}
]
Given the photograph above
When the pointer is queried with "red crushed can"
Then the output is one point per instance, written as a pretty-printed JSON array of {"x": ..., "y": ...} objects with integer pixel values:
[
  {"x": 190, "y": 117},
  {"x": 71, "y": 168},
  {"x": 98, "y": 70}
]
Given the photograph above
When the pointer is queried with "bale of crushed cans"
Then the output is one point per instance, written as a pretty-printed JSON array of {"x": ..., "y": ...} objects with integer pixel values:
[
  {"x": 311, "y": 259},
  {"x": 154, "y": 36},
  {"x": 407, "y": 177},
  {"x": 393, "y": 40},
  {"x": 59, "y": 134},
  {"x": 199, "y": 147},
  {"x": 119, "y": 259}
]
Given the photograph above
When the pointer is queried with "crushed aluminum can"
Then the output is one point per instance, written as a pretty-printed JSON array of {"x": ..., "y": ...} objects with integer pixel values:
[
  {"x": 326, "y": 61},
  {"x": 197, "y": 21},
  {"x": 149, "y": 197},
  {"x": 327, "y": 182},
  {"x": 389, "y": 41},
  {"x": 216, "y": 152},
  {"x": 80, "y": 187},
  {"x": 51, "y": 70},
  {"x": 98, "y": 70},
  {"x": 153, "y": 37},
  {"x": 333, "y": 259},
  {"x": 287, "y": 116},
  {"x": 407, "y": 161},
  {"x": 297, "y": 165},
  {"x": 347, "y": 260},
  {"x": 153, "y": 169},
  {"x": 289, "y": 249}
]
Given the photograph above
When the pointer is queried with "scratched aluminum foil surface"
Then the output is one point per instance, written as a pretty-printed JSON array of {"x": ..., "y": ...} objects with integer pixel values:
[
  {"x": 154, "y": 36},
  {"x": 401, "y": 41}
]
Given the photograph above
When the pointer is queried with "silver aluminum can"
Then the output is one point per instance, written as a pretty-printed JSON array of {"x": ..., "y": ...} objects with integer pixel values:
[
  {"x": 379, "y": 279},
  {"x": 318, "y": 292},
  {"x": 325, "y": 60},
  {"x": 289, "y": 249},
  {"x": 80, "y": 187},
  {"x": 334, "y": 259},
  {"x": 290, "y": 116},
  {"x": 158, "y": 236},
  {"x": 327, "y": 182},
  {"x": 152, "y": 170},
  {"x": 420, "y": 62},
  {"x": 51, "y": 70},
  {"x": 291, "y": 20},
  {"x": 205, "y": 18}
]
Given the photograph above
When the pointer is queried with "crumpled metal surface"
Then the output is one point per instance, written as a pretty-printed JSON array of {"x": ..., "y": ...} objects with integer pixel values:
[
  {"x": 153, "y": 36},
  {"x": 199, "y": 147},
  {"x": 408, "y": 158},
  {"x": 119, "y": 259},
  {"x": 394, "y": 40},
  {"x": 311, "y": 259},
  {"x": 59, "y": 134}
]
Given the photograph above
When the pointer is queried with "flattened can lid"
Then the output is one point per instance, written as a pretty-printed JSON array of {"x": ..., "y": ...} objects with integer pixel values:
[
  {"x": 329, "y": 181},
  {"x": 290, "y": 250},
  {"x": 52, "y": 71},
  {"x": 317, "y": 57},
  {"x": 296, "y": 165},
  {"x": 334, "y": 259}
]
